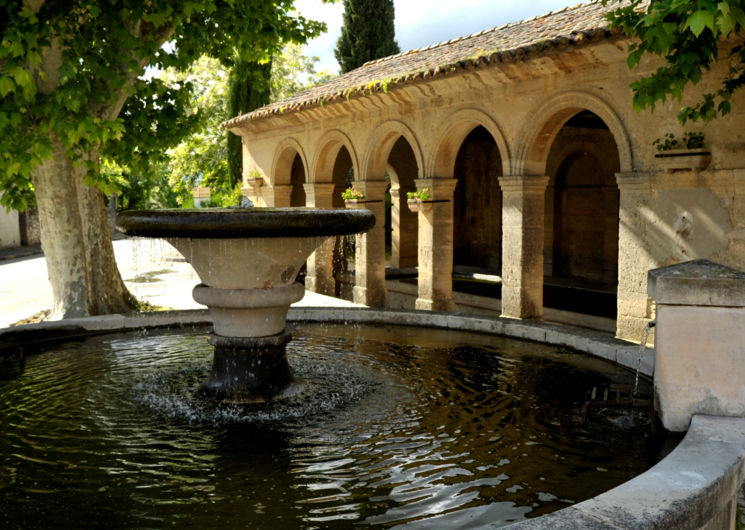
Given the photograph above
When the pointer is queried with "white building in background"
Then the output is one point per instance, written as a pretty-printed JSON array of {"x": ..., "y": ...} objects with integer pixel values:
[{"x": 10, "y": 228}]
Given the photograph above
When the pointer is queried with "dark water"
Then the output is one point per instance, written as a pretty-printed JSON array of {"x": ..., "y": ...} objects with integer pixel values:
[{"x": 392, "y": 426}]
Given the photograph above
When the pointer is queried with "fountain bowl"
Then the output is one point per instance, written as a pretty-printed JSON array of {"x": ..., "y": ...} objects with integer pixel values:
[{"x": 247, "y": 260}]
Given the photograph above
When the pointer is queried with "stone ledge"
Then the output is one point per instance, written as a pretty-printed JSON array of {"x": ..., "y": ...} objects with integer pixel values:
[
  {"x": 697, "y": 282},
  {"x": 695, "y": 486},
  {"x": 595, "y": 343}
]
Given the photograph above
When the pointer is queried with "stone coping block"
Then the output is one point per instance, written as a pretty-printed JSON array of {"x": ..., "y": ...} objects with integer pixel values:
[
  {"x": 695, "y": 486},
  {"x": 697, "y": 282}
]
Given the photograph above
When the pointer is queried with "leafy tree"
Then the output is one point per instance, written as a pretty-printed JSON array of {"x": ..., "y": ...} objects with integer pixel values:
[
  {"x": 200, "y": 158},
  {"x": 293, "y": 72},
  {"x": 67, "y": 70},
  {"x": 688, "y": 35},
  {"x": 248, "y": 89},
  {"x": 367, "y": 33}
]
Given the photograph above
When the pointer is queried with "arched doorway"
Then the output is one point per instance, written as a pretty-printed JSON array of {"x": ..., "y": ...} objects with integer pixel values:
[
  {"x": 297, "y": 181},
  {"x": 342, "y": 176},
  {"x": 477, "y": 204},
  {"x": 403, "y": 231},
  {"x": 582, "y": 200}
]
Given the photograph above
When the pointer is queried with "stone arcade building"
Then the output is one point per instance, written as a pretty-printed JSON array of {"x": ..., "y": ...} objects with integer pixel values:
[{"x": 537, "y": 165}]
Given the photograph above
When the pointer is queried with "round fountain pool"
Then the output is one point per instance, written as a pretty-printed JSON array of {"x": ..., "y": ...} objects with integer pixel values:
[{"x": 387, "y": 426}]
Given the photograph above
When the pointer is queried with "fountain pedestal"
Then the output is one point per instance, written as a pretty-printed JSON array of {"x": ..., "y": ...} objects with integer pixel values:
[{"x": 247, "y": 261}]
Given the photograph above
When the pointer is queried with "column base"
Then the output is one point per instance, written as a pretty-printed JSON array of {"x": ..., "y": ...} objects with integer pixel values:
[
  {"x": 369, "y": 297},
  {"x": 248, "y": 370},
  {"x": 447, "y": 305}
]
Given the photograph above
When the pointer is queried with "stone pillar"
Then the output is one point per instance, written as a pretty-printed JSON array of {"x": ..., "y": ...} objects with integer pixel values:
[
  {"x": 278, "y": 196},
  {"x": 319, "y": 277},
  {"x": 404, "y": 233},
  {"x": 435, "y": 256},
  {"x": 634, "y": 256},
  {"x": 700, "y": 333},
  {"x": 523, "y": 206},
  {"x": 369, "y": 255}
]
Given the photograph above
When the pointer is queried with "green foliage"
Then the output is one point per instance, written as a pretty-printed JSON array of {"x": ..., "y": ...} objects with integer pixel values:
[
  {"x": 666, "y": 143},
  {"x": 248, "y": 89},
  {"x": 691, "y": 140},
  {"x": 352, "y": 193},
  {"x": 67, "y": 69},
  {"x": 225, "y": 197},
  {"x": 687, "y": 35},
  {"x": 367, "y": 33},
  {"x": 292, "y": 72},
  {"x": 419, "y": 195},
  {"x": 201, "y": 156}
]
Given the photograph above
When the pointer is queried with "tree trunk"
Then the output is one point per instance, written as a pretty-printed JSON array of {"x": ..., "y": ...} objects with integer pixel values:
[{"x": 76, "y": 241}]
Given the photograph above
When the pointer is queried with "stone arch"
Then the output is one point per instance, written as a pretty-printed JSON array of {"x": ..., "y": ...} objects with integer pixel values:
[
  {"x": 330, "y": 145},
  {"x": 394, "y": 150},
  {"x": 453, "y": 132},
  {"x": 379, "y": 149},
  {"x": 537, "y": 140},
  {"x": 284, "y": 158}
]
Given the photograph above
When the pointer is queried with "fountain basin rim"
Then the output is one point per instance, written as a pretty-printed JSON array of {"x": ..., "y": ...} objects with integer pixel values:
[{"x": 227, "y": 223}]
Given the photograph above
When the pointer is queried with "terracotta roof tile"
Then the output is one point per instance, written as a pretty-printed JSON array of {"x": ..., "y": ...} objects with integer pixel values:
[{"x": 572, "y": 25}]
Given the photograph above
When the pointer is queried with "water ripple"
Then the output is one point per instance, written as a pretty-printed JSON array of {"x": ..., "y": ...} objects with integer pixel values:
[{"x": 391, "y": 426}]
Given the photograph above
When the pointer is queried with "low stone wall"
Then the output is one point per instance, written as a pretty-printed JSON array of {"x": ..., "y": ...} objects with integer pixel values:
[
  {"x": 695, "y": 487},
  {"x": 593, "y": 342}
]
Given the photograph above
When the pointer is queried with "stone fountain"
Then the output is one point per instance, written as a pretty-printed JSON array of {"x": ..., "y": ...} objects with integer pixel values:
[{"x": 247, "y": 261}]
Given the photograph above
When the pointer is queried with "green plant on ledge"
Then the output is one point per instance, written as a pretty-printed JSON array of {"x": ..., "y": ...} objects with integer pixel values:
[
  {"x": 691, "y": 140},
  {"x": 666, "y": 143},
  {"x": 419, "y": 195},
  {"x": 252, "y": 174},
  {"x": 352, "y": 194}
]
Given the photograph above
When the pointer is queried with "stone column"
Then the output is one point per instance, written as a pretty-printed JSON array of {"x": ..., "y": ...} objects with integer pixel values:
[
  {"x": 523, "y": 228},
  {"x": 278, "y": 196},
  {"x": 436, "y": 245},
  {"x": 369, "y": 257},
  {"x": 700, "y": 333},
  {"x": 634, "y": 256},
  {"x": 403, "y": 238},
  {"x": 319, "y": 277}
]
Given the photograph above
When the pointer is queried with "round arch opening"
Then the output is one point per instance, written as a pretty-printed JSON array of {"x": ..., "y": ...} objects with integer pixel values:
[{"x": 582, "y": 218}]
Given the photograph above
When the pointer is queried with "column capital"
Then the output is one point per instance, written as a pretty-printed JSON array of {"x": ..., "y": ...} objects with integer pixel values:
[
  {"x": 319, "y": 187},
  {"x": 373, "y": 189},
  {"x": 441, "y": 189},
  {"x": 319, "y": 195},
  {"x": 634, "y": 181},
  {"x": 280, "y": 195},
  {"x": 523, "y": 183}
]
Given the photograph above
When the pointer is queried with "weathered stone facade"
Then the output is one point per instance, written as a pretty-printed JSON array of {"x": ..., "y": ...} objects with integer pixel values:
[{"x": 536, "y": 161}]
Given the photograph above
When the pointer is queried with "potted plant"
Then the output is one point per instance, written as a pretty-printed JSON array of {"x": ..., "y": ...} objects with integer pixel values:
[
  {"x": 415, "y": 199},
  {"x": 688, "y": 154},
  {"x": 352, "y": 196}
]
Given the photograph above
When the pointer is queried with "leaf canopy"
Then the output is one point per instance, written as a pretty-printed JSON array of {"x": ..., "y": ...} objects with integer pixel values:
[
  {"x": 73, "y": 69},
  {"x": 688, "y": 35}
]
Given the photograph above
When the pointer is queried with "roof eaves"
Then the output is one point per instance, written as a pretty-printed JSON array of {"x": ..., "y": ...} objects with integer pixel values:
[{"x": 479, "y": 60}]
